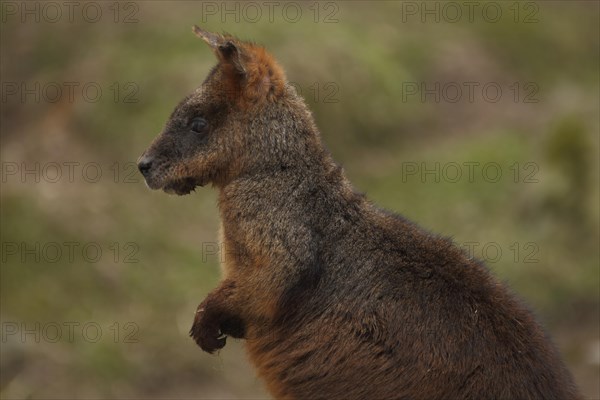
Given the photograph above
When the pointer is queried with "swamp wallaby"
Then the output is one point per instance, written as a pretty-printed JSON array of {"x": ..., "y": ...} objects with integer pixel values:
[{"x": 335, "y": 297}]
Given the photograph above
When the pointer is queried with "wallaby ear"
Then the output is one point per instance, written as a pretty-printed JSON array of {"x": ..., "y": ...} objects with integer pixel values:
[
  {"x": 212, "y": 39},
  {"x": 250, "y": 73},
  {"x": 225, "y": 49},
  {"x": 232, "y": 54}
]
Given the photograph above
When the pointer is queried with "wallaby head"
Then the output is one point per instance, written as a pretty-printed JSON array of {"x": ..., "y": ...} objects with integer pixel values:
[{"x": 244, "y": 118}]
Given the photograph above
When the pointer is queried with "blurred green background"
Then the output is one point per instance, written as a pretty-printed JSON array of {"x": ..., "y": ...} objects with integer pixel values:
[{"x": 100, "y": 277}]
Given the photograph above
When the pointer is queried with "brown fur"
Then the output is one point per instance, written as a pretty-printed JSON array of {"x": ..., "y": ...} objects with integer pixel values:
[{"x": 336, "y": 298}]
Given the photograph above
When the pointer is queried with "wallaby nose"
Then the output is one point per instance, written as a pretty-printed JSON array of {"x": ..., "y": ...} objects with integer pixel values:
[{"x": 144, "y": 165}]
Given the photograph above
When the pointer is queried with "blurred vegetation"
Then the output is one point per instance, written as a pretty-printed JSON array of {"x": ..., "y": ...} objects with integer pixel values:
[
  {"x": 542, "y": 213},
  {"x": 568, "y": 152}
]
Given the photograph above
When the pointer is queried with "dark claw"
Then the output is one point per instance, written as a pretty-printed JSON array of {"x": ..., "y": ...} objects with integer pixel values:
[{"x": 206, "y": 333}]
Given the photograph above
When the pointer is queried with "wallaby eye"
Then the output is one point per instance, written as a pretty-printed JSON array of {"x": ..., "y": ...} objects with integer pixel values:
[{"x": 198, "y": 125}]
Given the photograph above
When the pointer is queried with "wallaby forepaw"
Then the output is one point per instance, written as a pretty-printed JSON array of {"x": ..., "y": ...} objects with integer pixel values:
[{"x": 206, "y": 332}]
